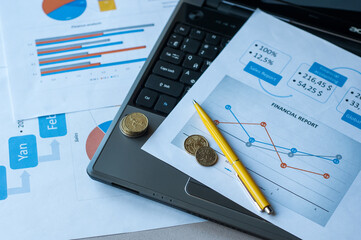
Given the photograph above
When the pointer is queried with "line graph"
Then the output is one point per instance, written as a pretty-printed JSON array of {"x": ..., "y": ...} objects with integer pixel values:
[
  {"x": 304, "y": 168},
  {"x": 292, "y": 151}
]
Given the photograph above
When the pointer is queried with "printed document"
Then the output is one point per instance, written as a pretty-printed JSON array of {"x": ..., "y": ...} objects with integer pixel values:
[
  {"x": 289, "y": 104},
  {"x": 67, "y": 56},
  {"x": 45, "y": 192}
]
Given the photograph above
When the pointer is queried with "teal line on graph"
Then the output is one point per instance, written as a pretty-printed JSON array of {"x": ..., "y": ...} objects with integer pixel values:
[
  {"x": 336, "y": 160},
  {"x": 292, "y": 151}
]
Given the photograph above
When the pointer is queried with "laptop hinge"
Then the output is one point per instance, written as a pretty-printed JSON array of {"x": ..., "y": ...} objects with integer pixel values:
[
  {"x": 213, "y": 3},
  {"x": 228, "y": 7}
]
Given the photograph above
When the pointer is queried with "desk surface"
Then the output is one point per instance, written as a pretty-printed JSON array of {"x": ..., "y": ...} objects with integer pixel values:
[{"x": 200, "y": 231}]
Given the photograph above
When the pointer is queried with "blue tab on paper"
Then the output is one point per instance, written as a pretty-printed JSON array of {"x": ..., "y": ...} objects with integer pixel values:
[
  {"x": 3, "y": 185},
  {"x": 52, "y": 126},
  {"x": 328, "y": 74},
  {"x": 352, "y": 118},
  {"x": 263, "y": 73},
  {"x": 23, "y": 152}
]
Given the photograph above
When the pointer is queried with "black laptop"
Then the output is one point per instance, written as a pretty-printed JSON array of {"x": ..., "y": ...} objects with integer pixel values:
[{"x": 195, "y": 34}]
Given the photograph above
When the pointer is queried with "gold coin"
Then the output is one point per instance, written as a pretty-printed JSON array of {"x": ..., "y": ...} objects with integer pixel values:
[
  {"x": 193, "y": 142},
  {"x": 206, "y": 156},
  {"x": 125, "y": 131},
  {"x": 134, "y": 124}
]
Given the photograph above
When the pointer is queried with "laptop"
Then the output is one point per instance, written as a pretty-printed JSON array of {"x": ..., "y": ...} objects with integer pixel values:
[{"x": 195, "y": 34}]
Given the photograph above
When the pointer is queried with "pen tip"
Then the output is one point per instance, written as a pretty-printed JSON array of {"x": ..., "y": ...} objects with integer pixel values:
[
  {"x": 269, "y": 210},
  {"x": 194, "y": 101}
]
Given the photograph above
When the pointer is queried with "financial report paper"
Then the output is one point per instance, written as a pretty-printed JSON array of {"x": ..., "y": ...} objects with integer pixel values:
[
  {"x": 289, "y": 104},
  {"x": 45, "y": 192},
  {"x": 67, "y": 56}
]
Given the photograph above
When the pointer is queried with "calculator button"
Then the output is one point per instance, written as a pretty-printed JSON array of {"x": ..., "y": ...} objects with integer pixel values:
[
  {"x": 193, "y": 62},
  {"x": 186, "y": 89},
  {"x": 208, "y": 51},
  {"x": 164, "y": 85},
  {"x": 172, "y": 55},
  {"x": 212, "y": 39},
  {"x": 146, "y": 98},
  {"x": 182, "y": 29},
  {"x": 167, "y": 70},
  {"x": 205, "y": 65},
  {"x": 224, "y": 42},
  {"x": 165, "y": 104},
  {"x": 197, "y": 34},
  {"x": 189, "y": 77},
  {"x": 190, "y": 45},
  {"x": 175, "y": 41}
]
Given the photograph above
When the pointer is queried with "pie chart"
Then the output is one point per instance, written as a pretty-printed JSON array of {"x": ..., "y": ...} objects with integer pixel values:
[
  {"x": 64, "y": 10},
  {"x": 95, "y": 137}
]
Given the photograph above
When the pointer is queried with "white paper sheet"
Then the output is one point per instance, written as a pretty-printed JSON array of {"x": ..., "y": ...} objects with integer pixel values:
[
  {"x": 45, "y": 192},
  {"x": 289, "y": 105},
  {"x": 77, "y": 55}
]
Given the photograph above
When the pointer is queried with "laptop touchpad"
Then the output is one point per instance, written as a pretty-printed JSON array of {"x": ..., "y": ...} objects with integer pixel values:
[{"x": 198, "y": 190}]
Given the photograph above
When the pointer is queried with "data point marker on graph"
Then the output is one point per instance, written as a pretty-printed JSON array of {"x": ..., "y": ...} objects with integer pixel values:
[{"x": 283, "y": 165}]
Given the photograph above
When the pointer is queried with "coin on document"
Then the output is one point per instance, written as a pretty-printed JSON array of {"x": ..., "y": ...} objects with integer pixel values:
[
  {"x": 206, "y": 156},
  {"x": 134, "y": 124},
  {"x": 193, "y": 142}
]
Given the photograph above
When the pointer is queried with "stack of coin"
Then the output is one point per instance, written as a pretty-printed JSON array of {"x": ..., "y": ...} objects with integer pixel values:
[
  {"x": 198, "y": 146},
  {"x": 134, "y": 124}
]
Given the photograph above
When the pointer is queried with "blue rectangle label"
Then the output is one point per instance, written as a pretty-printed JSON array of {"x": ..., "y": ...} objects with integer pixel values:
[
  {"x": 23, "y": 152},
  {"x": 3, "y": 184},
  {"x": 352, "y": 118},
  {"x": 263, "y": 73},
  {"x": 52, "y": 126},
  {"x": 328, "y": 74}
]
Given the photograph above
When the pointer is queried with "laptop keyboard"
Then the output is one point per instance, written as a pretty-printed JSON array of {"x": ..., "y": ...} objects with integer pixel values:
[{"x": 188, "y": 53}]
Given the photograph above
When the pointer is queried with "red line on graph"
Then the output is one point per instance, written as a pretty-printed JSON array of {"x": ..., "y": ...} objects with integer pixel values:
[
  {"x": 305, "y": 170},
  {"x": 238, "y": 123},
  {"x": 69, "y": 38},
  {"x": 70, "y": 68},
  {"x": 282, "y": 165},
  {"x": 92, "y": 54},
  {"x": 273, "y": 144},
  {"x": 59, "y": 49}
]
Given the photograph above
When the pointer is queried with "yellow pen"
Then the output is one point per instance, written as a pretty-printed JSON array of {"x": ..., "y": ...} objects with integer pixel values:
[{"x": 241, "y": 171}]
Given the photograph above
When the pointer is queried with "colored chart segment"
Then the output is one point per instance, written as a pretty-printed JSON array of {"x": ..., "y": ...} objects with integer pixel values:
[
  {"x": 95, "y": 137},
  {"x": 106, "y": 5},
  {"x": 3, "y": 185},
  {"x": 63, "y": 10}
]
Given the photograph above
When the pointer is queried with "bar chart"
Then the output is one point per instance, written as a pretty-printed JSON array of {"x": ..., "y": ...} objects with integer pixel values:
[
  {"x": 76, "y": 54},
  {"x": 88, "y": 50}
]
